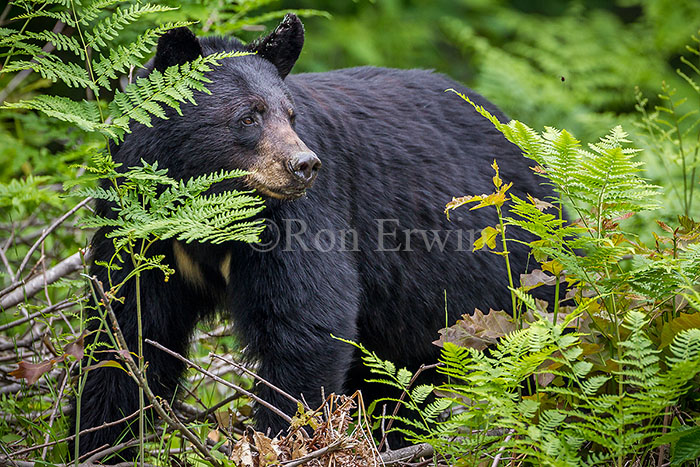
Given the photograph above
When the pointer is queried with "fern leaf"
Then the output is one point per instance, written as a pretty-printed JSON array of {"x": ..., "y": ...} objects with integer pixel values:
[
  {"x": 121, "y": 58},
  {"x": 421, "y": 392},
  {"x": 146, "y": 97},
  {"x": 107, "y": 29},
  {"x": 62, "y": 16},
  {"x": 60, "y": 41},
  {"x": 51, "y": 67},
  {"x": 84, "y": 114}
]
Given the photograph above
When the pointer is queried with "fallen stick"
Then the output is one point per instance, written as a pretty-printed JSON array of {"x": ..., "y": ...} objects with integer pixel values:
[{"x": 37, "y": 283}]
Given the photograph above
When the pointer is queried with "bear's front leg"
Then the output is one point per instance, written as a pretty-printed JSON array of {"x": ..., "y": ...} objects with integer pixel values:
[
  {"x": 300, "y": 362},
  {"x": 287, "y": 307}
]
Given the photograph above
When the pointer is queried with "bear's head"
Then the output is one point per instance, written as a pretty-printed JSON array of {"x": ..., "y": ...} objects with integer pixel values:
[{"x": 246, "y": 121}]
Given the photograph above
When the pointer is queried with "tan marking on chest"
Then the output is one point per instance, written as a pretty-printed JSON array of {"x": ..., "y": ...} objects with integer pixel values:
[
  {"x": 225, "y": 267},
  {"x": 186, "y": 266}
]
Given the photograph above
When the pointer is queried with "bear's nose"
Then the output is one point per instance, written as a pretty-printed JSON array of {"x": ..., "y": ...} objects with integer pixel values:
[{"x": 304, "y": 165}]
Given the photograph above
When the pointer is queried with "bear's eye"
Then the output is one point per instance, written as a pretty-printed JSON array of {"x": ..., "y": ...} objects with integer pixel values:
[
  {"x": 292, "y": 118},
  {"x": 248, "y": 121}
]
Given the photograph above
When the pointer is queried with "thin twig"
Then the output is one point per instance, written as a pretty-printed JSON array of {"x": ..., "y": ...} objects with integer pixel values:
[
  {"x": 203, "y": 415},
  {"x": 71, "y": 437},
  {"x": 192, "y": 364},
  {"x": 56, "y": 406},
  {"x": 664, "y": 447},
  {"x": 46, "y": 233},
  {"x": 255, "y": 375},
  {"x": 5, "y": 12},
  {"x": 501, "y": 450},
  {"x": 403, "y": 395},
  {"x": 62, "y": 305},
  {"x": 159, "y": 406},
  {"x": 36, "y": 284},
  {"x": 6, "y": 263}
]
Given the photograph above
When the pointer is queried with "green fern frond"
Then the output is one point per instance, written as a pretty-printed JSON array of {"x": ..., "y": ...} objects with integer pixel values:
[
  {"x": 605, "y": 178},
  {"x": 97, "y": 193},
  {"x": 408, "y": 422},
  {"x": 52, "y": 68},
  {"x": 146, "y": 97},
  {"x": 183, "y": 213},
  {"x": 559, "y": 155},
  {"x": 107, "y": 29},
  {"x": 121, "y": 58},
  {"x": 14, "y": 45},
  {"x": 84, "y": 114},
  {"x": 60, "y": 41},
  {"x": 421, "y": 392},
  {"x": 685, "y": 347},
  {"x": 63, "y": 16},
  {"x": 24, "y": 195},
  {"x": 433, "y": 410},
  {"x": 88, "y": 13}
]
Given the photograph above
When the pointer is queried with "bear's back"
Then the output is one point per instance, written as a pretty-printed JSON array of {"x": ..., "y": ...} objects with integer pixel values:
[{"x": 396, "y": 147}]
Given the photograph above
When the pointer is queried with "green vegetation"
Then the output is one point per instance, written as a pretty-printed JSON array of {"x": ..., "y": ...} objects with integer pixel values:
[
  {"x": 607, "y": 377},
  {"x": 591, "y": 380}
]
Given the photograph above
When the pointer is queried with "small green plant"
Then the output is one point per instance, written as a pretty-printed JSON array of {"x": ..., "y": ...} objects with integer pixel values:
[
  {"x": 571, "y": 422},
  {"x": 88, "y": 59},
  {"x": 672, "y": 127},
  {"x": 589, "y": 380},
  {"x": 148, "y": 207}
]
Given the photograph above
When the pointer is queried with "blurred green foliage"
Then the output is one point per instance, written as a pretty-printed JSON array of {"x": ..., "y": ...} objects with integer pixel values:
[
  {"x": 569, "y": 64},
  {"x": 582, "y": 65},
  {"x": 516, "y": 52}
]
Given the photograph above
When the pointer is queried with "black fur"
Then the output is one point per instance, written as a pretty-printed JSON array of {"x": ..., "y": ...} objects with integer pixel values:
[
  {"x": 283, "y": 46},
  {"x": 394, "y": 145},
  {"x": 176, "y": 47}
]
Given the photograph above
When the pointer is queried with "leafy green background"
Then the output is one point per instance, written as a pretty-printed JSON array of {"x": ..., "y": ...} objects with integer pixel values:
[{"x": 583, "y": 66}]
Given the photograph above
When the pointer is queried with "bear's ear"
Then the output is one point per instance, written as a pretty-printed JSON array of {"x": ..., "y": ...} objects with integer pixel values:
[
  {"x": 176, "y": 47},
  {"x": 283, "y": 46}
]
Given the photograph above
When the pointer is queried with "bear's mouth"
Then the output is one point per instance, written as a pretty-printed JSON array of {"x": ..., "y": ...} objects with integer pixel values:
[{"x": 288, "y": 193}]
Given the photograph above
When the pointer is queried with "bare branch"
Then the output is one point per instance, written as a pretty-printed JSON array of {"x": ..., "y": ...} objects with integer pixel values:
[
  {"x": 254, "y": 375},
  {"x": 260, "y": 401},
  {"x": 497, "y": 459},
  {"x": 62, "y": 305},
  {"x": 82, "y": 432},
  {"x": 46, "y": 233},
  {"x": 36, "y": 284},
  {"x": 406, "y": 454},
  {"x": 403, "y": 395}
]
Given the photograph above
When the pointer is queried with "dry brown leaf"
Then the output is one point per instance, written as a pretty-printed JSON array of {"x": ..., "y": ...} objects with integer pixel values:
[
  {"x": 539, "y": 204},
  {"x": 242, "y": 455},
  {"x": 214, "y": 435},
  {"x": 298, "y": 446},
  {"x": 267, "y": 453},
  {"x": 543, "y": 379},
  {"x": 536, "y": 278},
  {"x": 77, "y": 347},
  {"x": 32, "y": 371},
  {"x": 477, "y": 331}
]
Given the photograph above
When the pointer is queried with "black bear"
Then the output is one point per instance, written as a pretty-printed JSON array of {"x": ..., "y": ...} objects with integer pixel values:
[{"x": 355, "y": 166}]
